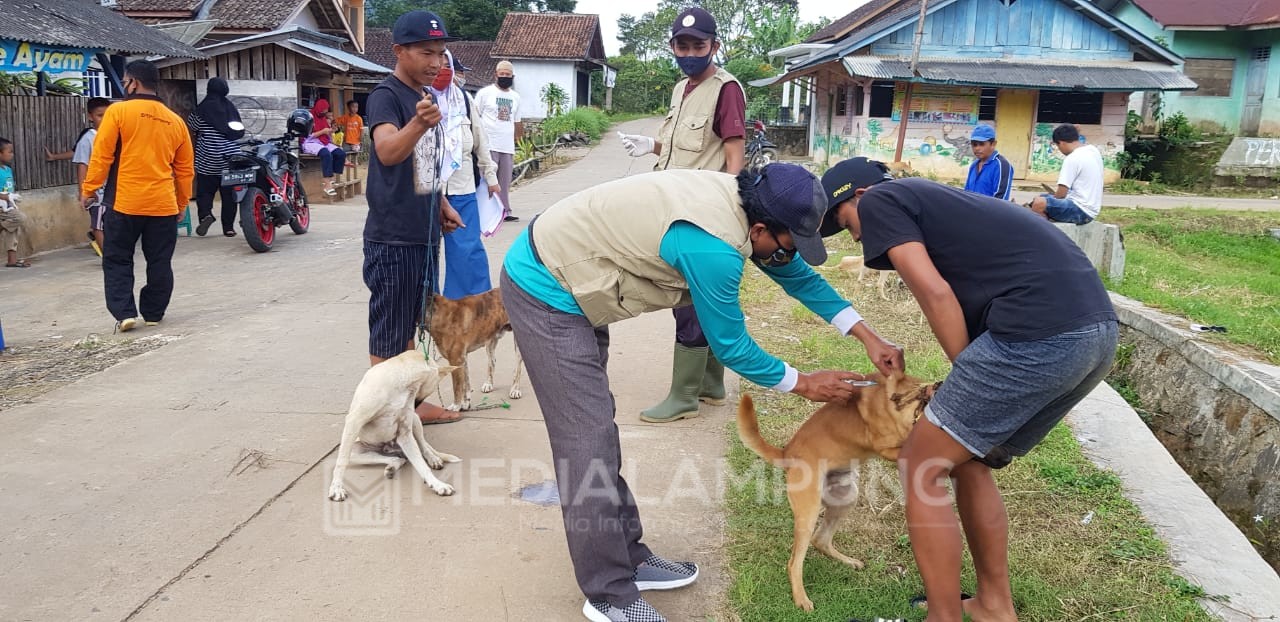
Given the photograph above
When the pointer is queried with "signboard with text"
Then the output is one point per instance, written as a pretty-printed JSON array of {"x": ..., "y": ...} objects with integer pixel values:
[{"x": 23, "y": 57}]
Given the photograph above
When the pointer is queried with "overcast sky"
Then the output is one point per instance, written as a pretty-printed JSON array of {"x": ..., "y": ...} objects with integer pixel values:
[{"x": 610, "y": 10}]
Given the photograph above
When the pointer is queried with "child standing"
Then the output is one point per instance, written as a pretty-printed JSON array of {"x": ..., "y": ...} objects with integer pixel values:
[
  {"x": 97, "y": 108},
  {"x": 11, "y": 219},
  {"x": 352, "y": 127}
]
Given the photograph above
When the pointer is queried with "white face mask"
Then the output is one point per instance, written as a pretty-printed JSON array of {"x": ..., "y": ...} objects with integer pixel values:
[{"x": 461, "y": 81}]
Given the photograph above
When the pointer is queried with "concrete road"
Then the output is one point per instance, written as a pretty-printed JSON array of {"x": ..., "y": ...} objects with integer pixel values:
[
  {"x": 189, "y": 482},
  {"x": 1152, "y": 201}
]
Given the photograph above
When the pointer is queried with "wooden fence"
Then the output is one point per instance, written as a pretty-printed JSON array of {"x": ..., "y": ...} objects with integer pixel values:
[{"x": 34, "y": 123}]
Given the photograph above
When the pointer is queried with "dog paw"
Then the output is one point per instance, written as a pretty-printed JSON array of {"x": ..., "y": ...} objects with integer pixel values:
[
  {"x": 465, "y": 405},
  {"x": 443, "y": 489},
  {"x": 337, "y": 493},
  {"x": 515, "y": 393},
  {"x": 486, "y": 388},
  {"x": 390, "y": 472},
  {"x": 453, "y": 407},
  {"x": 435, "y": 461},
  {"x": 449, "y": 457}
]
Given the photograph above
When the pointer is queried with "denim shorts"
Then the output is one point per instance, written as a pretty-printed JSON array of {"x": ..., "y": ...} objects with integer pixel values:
[
  {"x": 1065, "y": 210},
  {"x": 1010, "y": 394}
]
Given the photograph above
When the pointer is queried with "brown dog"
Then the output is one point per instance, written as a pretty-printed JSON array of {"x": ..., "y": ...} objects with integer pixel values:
[
  {"x": 820, "y": 458},
  {"x": 460, "y": 327}
]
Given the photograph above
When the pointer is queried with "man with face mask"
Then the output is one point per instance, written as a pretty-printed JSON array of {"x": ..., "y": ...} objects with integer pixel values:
[
  {"x": 651, "y": 242},
  {"x": 705, "y": 129},
  {"x": 500, "y": 108}
]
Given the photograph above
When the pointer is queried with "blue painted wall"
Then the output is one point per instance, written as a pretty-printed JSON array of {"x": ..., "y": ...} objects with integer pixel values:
[{"x": 1030, "y": 29}]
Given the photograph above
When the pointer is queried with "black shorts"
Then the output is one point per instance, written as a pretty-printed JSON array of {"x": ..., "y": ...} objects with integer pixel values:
[{"x": 394, "y": 275}]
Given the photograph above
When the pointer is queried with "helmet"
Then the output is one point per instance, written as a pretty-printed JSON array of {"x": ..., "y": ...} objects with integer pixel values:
[{"x": 300, "y": 122}]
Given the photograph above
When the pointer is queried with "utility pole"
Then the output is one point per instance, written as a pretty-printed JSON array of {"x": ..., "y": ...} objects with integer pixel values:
[{"x": 906, "y": 100}]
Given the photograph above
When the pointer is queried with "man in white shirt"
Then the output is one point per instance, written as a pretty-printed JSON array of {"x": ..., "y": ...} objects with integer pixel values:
[
  {"x": 499, "y": 106},
  {"x": 1079, "y": 196}
]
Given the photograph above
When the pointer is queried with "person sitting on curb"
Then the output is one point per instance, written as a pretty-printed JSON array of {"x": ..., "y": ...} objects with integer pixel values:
[
  {"x": 990, "y": 173},
  {"x": 686, "y": 238},
  {"x": 1079, "y": 196},
  {"x": 1029, "y": 328}
]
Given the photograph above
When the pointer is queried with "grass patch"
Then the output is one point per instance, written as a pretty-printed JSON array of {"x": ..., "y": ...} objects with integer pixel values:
[
  {"x": 1218, "y": 268},
  {"x": 622, "y": 117},
  {"x": 1109, "y": 567}
]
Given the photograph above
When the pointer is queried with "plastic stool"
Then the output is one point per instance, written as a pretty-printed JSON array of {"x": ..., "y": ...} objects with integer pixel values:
[{"x": 186, "y": 221}]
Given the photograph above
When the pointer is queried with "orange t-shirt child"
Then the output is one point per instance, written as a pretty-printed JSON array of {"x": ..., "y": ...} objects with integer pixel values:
[{"x": 352, "y": 129}]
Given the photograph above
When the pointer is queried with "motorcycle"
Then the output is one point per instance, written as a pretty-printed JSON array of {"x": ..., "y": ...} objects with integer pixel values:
[
  {"x": 760, "y": 152},
  {"x": 265, "y": 177}
]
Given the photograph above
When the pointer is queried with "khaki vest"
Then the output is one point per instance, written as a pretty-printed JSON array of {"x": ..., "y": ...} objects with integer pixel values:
[
  {"x": 602, "y": 244},
  {"x": 687, "y": 135}
]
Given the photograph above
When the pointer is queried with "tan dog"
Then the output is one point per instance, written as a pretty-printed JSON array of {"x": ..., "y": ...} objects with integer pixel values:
[
  {"x": 460, "y": 327},
  {"x": 852, "y": 263},
  {"x": 822, "y": 454},
  {"x": 382, "y": 427}
]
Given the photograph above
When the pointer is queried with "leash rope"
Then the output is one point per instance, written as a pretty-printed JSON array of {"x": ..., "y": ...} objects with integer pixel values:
[{"x": 431, "y": 263}]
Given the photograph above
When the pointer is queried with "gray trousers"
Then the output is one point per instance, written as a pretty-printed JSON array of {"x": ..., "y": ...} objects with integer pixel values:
[
  {"x": 566, "y": 359},
  {"x": 505, "y": 162}
]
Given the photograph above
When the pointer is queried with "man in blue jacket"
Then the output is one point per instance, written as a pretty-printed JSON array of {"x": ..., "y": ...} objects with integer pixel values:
[{"x": 990, "y": 173}]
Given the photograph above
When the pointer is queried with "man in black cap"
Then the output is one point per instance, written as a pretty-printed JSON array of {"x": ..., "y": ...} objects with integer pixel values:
[
  {"x": 1030, "y": 331},
  {"x": 403, "y": 228},
  {"x": 687, "y": 237},
  {"x": 717, "y": 143}
]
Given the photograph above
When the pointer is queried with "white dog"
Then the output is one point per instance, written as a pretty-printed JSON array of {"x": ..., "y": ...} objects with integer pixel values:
[{"x": 382, "y": 427}]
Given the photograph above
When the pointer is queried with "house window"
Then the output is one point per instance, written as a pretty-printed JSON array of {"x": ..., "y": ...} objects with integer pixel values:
[
  {"x": 987, "y": 105},
  {"x": 97, "y": 84},
  {"x": 882, "y": 99},
  {"x": 1214, "y": 76},
  {"x": 1069, "y": 107},
  {"x": 845, "y": 106}
]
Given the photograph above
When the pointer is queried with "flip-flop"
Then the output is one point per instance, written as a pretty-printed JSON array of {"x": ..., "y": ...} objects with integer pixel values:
[
  {"x": 21, "y": 263},
  {"x": 921, "y": 602},
  {"x": 442, "y": 421}
]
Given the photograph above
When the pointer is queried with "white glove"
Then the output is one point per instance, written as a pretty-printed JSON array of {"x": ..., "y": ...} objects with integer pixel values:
[{"x": 637, "y": 145}]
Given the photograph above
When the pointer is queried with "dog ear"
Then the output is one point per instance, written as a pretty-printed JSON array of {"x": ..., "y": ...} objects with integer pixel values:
[{"x": 931, "y": 389}]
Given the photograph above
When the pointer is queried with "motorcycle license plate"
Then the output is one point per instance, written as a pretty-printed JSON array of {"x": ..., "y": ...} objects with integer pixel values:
[{"x": 237, "y": 178}]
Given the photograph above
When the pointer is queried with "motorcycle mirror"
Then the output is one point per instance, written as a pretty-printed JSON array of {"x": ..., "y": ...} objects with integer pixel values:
[{"x": 235, "y": 125}]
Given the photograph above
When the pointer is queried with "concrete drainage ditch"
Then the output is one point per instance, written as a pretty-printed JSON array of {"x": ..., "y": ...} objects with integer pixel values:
[{"x": 1217, "y": 413}]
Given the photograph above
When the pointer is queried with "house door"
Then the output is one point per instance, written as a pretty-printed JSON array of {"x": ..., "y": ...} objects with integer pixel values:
[
  {"x": 1015, "y": 121},
  {"x": 1255, "y": 89}
]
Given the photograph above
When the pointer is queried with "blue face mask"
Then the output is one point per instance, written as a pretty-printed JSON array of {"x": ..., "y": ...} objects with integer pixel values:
[{"x": 693, "y": 65}]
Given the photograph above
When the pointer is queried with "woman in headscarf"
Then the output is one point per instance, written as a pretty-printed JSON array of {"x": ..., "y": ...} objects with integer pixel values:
[
  {"x": 320, "y": 144},
  {"x": 216, "y": 124}
]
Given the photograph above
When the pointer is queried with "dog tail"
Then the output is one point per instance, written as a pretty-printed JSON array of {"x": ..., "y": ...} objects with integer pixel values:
[{"x": 749, "y": 432}]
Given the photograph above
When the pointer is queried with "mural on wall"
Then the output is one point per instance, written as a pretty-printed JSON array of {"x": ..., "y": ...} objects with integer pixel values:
[
  {"x": 943, "y": 151},
  {"x": 938, "y": 104},
  {"x": 1045, "y": 158}
]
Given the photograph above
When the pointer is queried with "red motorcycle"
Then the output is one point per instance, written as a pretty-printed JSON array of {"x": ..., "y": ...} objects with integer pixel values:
[{"x": 268, "y": 186}]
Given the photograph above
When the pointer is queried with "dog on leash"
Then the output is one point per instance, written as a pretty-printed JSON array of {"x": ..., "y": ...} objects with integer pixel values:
[
  {"x": 382, "y": 427},
  {"x": 852, "y": 263},
  {"x": 460, "y": 327},
  {"x": 820, "y": 458}
]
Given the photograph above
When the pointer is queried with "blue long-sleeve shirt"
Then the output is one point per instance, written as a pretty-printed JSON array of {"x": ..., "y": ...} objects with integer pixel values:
[
  {"x": 994, "y": 180},
  {"x": 713, "y": 270}
]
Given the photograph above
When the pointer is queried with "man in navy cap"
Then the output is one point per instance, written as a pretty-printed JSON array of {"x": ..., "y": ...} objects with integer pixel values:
[
  {"x": 404, "y": 227},
  {"x": 686, "y": 239},
  {"x": 705, "y": 129},
  {"x": 1028, "y": 326},
  {"x": 990, "y": 173}
]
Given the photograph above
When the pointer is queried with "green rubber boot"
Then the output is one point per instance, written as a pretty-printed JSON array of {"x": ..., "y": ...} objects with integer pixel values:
[
  {"x": 712, "y": 391},
  {"x": 688, "y": 367}
]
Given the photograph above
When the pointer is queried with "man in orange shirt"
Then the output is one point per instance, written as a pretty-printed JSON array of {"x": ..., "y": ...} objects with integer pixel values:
[
  {"x": 352, "y": 127},
  {"x": 143, "y": 161}
]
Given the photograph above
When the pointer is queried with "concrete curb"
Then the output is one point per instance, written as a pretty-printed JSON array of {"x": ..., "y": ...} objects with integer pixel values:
[
  {"x": 1206, "y": 548},
  {"x": 1258, "y": 382}
]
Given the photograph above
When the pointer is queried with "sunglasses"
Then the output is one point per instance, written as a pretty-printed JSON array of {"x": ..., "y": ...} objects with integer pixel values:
[{"x": 782, "y": 256}]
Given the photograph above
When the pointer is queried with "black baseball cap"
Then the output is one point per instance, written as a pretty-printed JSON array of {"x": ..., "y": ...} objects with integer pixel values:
[
  {"x": 794, "y": 196},
  {"x": 458, "y": 66},
  {"x": 694, "y": 22},
  {"x": 416, "y": 26},
  {"x": 841, "y": 181}
]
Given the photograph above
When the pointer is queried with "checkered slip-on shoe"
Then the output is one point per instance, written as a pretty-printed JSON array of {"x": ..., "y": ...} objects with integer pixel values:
[
  {"x": 657, "y": 573},
  {"x": 638, "y": 611}
]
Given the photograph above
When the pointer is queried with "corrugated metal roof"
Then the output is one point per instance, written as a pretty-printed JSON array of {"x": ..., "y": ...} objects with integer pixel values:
[
  {"x": 1130, "y": 76},
  {"x": 82, "y": 24},
  {"x": 354, "y": 61}
]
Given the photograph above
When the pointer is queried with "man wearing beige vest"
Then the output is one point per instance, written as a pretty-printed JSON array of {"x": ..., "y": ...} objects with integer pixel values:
[
  {"x": 705, "y": 129},
  {"x": 652, "y": 242}
]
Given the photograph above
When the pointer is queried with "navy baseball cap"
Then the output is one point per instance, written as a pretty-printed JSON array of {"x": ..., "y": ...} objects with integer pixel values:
[
  {"x": 458, "y": 66},
  {"x": 416, "y": 26},
  {"x": 694, "y": 22},
  {"x": 844, "y": 179},
  {"x": 794, "y": 196},
  {"x": 983, "y": 133}
]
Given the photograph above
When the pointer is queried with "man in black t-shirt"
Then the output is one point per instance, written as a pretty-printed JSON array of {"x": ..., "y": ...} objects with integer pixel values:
[
  {"x": 1030, "y": 331},
  {"x": 403, "y": 228}
]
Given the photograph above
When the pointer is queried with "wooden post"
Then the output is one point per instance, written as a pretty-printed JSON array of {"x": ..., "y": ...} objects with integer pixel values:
[{"x": 906, "y": 101}]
